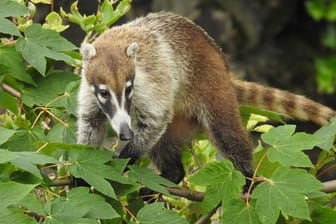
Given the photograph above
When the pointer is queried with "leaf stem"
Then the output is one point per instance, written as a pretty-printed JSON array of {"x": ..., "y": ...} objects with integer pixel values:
[
  {"x": 254, "y": 178},
  {"x": 130, "y": 213}
]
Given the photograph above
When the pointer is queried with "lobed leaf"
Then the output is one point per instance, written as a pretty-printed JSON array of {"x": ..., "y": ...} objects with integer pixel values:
[
  {"x": 44, "y": 93},
  {"x": 5, "y": 134},
  {"x": 156, "y": 214},
  {"x": 24, "y": 139},
  {"x": 286, "y": 147},
  {"x": 8, "y": 101},
  {"x": 26, "y": 160},
  {"x": 62, "y": 210},
  {"x": 39, "y": 44},
  {"x": 98, "y": 208},
  {"x": 89, "y": 165},
  {"x": 8, "y": 27},
  {"x": 13, "y": 192},
  {"x": 327, "y": 135},
  {"x": 13, "y": 64},
  {"x": 150, "y": 179},
  {"x": 11, "y": 8},
  {"x": 15, "y": 215},
  {"x": 237, "y": 212},
  {"x": 217, "y": 173},
  {"x": 285, "y": 192}
]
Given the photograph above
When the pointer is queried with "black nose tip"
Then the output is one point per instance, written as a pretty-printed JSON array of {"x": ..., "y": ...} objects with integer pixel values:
[{"x": 126, "y": 133}]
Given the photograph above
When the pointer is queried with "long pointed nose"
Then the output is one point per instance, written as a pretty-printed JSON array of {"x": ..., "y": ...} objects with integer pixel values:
[{"x": 126, "y": 133}]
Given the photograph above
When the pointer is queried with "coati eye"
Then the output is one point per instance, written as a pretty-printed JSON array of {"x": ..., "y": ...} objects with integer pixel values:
[
  {"x": 129, "y": 89},
  {"x": 104, "y": 93}
]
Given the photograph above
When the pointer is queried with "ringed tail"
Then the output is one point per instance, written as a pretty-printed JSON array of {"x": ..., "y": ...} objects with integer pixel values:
[{"x": 296, "y": 106}]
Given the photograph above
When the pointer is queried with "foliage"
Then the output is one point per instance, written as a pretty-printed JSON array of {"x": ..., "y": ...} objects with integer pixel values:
[
  {"x": 38, "y": 153},
  {"x": 325, "y": 65}
]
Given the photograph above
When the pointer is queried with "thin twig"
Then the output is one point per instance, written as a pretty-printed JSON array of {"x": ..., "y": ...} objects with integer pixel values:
[
  {"x": 11, "y": 90},
  {"x": 205, "y": 218},
  {"x": 329, "y": 186},
  {"x": 194, "y": 154}
]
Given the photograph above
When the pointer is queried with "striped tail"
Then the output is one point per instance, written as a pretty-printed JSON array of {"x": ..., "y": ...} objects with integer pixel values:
[{"x": 296, "y": 106}]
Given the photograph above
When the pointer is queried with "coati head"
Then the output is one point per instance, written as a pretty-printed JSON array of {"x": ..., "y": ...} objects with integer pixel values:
[{"x": 110, "y": 75}]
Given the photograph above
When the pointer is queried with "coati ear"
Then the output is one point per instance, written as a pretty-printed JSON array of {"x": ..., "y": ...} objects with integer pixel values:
[
  {"x": 87, "y": 51},
  {"x": 132, "y": 49}
]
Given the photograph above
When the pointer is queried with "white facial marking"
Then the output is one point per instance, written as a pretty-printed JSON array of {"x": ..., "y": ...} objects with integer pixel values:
[
  {"x": 92, "y": 88},
  {"x": 102, "y": 86},
  {"x": 121, "y": 115}
]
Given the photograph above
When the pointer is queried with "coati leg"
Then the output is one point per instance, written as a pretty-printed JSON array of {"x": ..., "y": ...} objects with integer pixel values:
[
  {"x": 91, "y": 128},
  {"x": 167, "y": 153},
  {"x": 226, "y": 132}
]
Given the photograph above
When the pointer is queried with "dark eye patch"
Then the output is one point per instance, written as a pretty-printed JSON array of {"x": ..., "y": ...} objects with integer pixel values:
[
  {"x": 129, "y": 89},
  {"x": 104, "y": 93}
]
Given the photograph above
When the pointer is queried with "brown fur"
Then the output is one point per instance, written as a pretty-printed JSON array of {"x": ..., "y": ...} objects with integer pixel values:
[{"x": 281, "y": 101}]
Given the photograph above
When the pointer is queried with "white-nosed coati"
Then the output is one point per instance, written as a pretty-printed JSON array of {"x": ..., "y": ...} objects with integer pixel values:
[{"x": 159, "y": 80}]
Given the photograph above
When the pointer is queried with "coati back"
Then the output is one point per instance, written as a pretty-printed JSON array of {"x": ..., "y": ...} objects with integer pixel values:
[{"x": 159, "y": 80}]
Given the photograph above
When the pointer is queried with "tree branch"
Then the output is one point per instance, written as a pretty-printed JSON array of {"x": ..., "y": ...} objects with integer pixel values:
[{"x": 185, "y": 193}]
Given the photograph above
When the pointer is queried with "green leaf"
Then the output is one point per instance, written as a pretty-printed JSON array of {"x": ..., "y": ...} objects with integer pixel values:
[
  {"x": 246, "y": 112},
  {"x": 156, "y": 214},
  {"x": 14, "y": 64},
  {"x": 286, "y": 148},
  {"x": 24, "y": 139},
  {"x": 98, "y": 208},
  {"x": 107, "y": 11},
  {"x": 237, "y": 213},
  {"x": 89, "y": 165},
  {"x": 14, "y": 215},
  {"x": 316, "y": 8},
  {"x": 217, "y": 173},
  {"x": 31, "y": 203},
  {"x": 8, "y": 101},
  {"x": 45, "y": 92},
  {"x": 325, "y": 77},
  {"x": 5, "y": 134},
  {"x": 150, "y": 179},
  {"x": 27, "y": 160},
  {"x": 285, "y": 192},
  {"x": 62, "y": 210},
  {"x": 213, "y": 196},
  {"x": 329, "y": 37},
  {"x": 39, "y": 44},
  {"x": 11, "y": 8},
  {"x": 327, "y": 135},
  {"x": 13, "y": 192},
  {"x": 323, "y": 215},
  {"x": 8, "y": 27},
  {"x": 62, "y": 133},
  {"x": 71, "y": 98},
  {"x": 331, "y": 11},
  {"x": 54, "y": 22}
]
